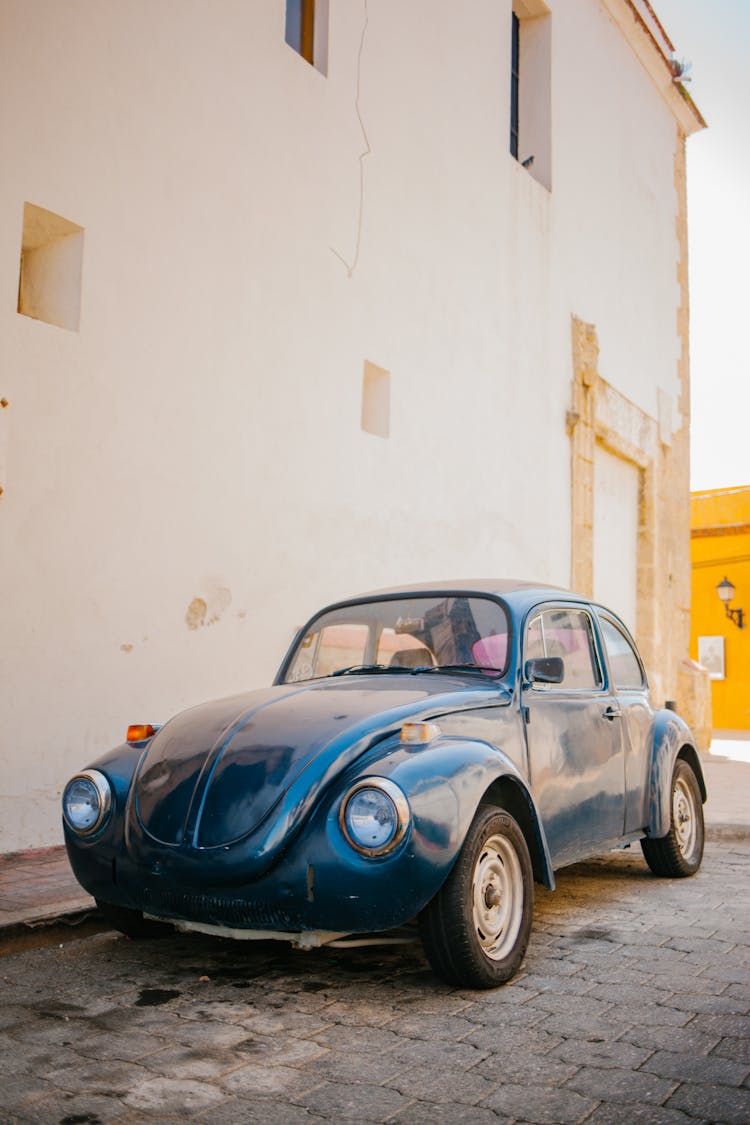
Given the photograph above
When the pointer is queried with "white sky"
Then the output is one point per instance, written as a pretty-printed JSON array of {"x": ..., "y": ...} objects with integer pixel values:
[{"x": 715, "y": 36}]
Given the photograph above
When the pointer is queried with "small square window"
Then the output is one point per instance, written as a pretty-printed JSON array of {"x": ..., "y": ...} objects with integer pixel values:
[
  {"x": 307, "y": 31},
  {"x": 49, "y": 285},
  {"x": 376, "y": 400}
]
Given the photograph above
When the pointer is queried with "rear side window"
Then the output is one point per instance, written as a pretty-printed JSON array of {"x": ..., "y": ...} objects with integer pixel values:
[
  {"x": 566, "y": 633},
  {"x": 625, "y": 665}
]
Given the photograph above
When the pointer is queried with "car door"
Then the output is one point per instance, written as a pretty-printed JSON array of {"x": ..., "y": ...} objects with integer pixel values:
[
  {"x": 574, "y": 736},
  {"x": 629, "y": 680}
]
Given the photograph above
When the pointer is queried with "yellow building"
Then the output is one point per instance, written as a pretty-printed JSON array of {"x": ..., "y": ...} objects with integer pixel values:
[{"x": 720, "y": 629}]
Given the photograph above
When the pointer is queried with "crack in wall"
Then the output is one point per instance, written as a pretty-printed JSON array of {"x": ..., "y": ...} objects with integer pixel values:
[{"x": 350, "y": 267}]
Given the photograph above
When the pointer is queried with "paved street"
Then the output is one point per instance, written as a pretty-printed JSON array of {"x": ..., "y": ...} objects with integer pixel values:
[{"x": 632, "y": 1007}]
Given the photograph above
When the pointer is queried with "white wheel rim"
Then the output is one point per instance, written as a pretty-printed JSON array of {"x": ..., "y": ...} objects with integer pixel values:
[
  {"x": 683, "y": 818},
  {"x": 498, "y": 891}
]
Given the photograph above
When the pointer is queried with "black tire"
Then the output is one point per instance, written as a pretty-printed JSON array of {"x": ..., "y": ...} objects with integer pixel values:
[
  {"x": 132, "y": 923},
  {"x": 679, "y": 853},
  {"x": 476, "y": 929}
]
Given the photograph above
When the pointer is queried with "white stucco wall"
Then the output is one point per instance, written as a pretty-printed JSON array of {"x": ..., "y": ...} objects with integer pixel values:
[
  {"x": 622, "y": 139},
  {"x": 199, "y": 437}
]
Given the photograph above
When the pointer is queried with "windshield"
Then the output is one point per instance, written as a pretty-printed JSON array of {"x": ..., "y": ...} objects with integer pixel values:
[{"x": 404, "y": 635}]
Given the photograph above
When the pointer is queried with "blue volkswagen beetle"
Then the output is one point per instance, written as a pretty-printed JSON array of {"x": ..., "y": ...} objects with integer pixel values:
[{"x": 425, "y": 754}]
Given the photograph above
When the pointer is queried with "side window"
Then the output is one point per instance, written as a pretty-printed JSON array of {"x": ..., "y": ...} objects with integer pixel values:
[
  {"x": 566, "y": 633},
  {"x": 535, "y": 640},
  {"x": 626, "y": 668}
]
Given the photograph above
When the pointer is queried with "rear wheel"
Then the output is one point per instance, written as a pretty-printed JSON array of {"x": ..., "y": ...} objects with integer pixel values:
[
  {"x": 132, "y": 923},
  {"x": 476, "y": 929},
  {"x": 679, "y": 853}
]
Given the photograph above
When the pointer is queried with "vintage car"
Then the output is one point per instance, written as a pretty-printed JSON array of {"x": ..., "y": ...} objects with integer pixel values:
[{"x": 426, "y": 754}]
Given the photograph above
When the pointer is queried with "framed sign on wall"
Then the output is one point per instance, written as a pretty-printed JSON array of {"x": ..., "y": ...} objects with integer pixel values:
[{"x": 711, "y": 656}]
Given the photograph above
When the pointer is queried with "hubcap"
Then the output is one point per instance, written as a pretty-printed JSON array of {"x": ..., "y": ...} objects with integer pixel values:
[
  {"x": 497, "y": 897},
  {"x": 683, "y": 818}
]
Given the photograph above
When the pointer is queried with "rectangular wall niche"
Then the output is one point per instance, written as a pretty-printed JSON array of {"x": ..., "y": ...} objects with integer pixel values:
[
  {"x": 49, "y": 288},
  {"x": 376, "y": 400}
]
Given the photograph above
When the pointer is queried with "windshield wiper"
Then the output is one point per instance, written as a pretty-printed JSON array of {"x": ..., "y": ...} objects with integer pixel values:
[
  {"x": 356, "y": 669},
  {"x": 459, "y": 668},
  {"x": 367, "y": 669}
]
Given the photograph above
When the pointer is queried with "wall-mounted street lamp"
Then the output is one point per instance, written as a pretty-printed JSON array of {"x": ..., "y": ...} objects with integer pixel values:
[{"x": 725, "y": 590}]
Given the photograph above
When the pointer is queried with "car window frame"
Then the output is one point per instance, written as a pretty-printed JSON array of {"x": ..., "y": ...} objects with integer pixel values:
[
  {"x": 597, "y": 651},
  {"x": 612, "y": 619},
  {"x": 442, "y": 592}
]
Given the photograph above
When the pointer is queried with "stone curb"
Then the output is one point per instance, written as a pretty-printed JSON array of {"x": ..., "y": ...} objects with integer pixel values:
[
  {"x": 18, "y": 936},
  {"x": 723, "y": 832}
]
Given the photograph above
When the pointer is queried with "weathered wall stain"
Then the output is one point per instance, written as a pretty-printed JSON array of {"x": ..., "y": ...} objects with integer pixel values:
[
  {"x": 196, "y": 613},
  {"x": 220, "y": 600},
  {"x": 207, "y": 610}
]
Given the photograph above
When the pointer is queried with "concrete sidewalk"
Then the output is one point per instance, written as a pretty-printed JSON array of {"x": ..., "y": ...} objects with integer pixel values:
[
  {"x": 727, "y": 810},
  {"x": 38, "y": 890}
]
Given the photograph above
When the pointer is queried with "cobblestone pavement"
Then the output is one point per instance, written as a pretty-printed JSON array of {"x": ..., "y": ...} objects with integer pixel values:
[{"x": 632, "y": 1006}]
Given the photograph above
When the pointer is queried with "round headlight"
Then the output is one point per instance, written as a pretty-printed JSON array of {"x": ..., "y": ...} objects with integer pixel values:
[
  {"x": 86, "y": 802},
  {"x": 374, "y": 816}
]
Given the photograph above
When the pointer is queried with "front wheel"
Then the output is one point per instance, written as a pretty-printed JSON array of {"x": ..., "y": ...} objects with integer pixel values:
[
  {"x": 680, "y": 852},
  {"x": 476, "y": 929}
]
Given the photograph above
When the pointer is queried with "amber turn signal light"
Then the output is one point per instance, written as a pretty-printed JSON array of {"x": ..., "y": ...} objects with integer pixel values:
[
  {"x": 139, "y": 733},
  {"x": 419, "y": 732}
]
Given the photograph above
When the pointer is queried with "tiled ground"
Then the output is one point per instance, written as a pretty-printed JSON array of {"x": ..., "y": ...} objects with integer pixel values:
[{"x": 632, "y": 1006}]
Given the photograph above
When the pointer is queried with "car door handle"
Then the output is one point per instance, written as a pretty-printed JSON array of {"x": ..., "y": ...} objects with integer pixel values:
[{"x": 613, "y": 712}]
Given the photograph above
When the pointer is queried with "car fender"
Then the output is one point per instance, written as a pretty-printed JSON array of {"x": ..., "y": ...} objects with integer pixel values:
[
  {"x": 672, "y": 739},
  {"x": 118, "y": 766},
  {"x": 445, "y": 783},
  {"x": 92, "y": 858}
]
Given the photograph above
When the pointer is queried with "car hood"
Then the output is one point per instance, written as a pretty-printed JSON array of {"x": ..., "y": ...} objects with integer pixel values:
[{"x": 213, "y": 774}]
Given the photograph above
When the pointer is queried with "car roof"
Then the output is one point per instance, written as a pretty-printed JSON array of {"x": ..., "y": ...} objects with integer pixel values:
[{"x": 520, "y": 594}]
